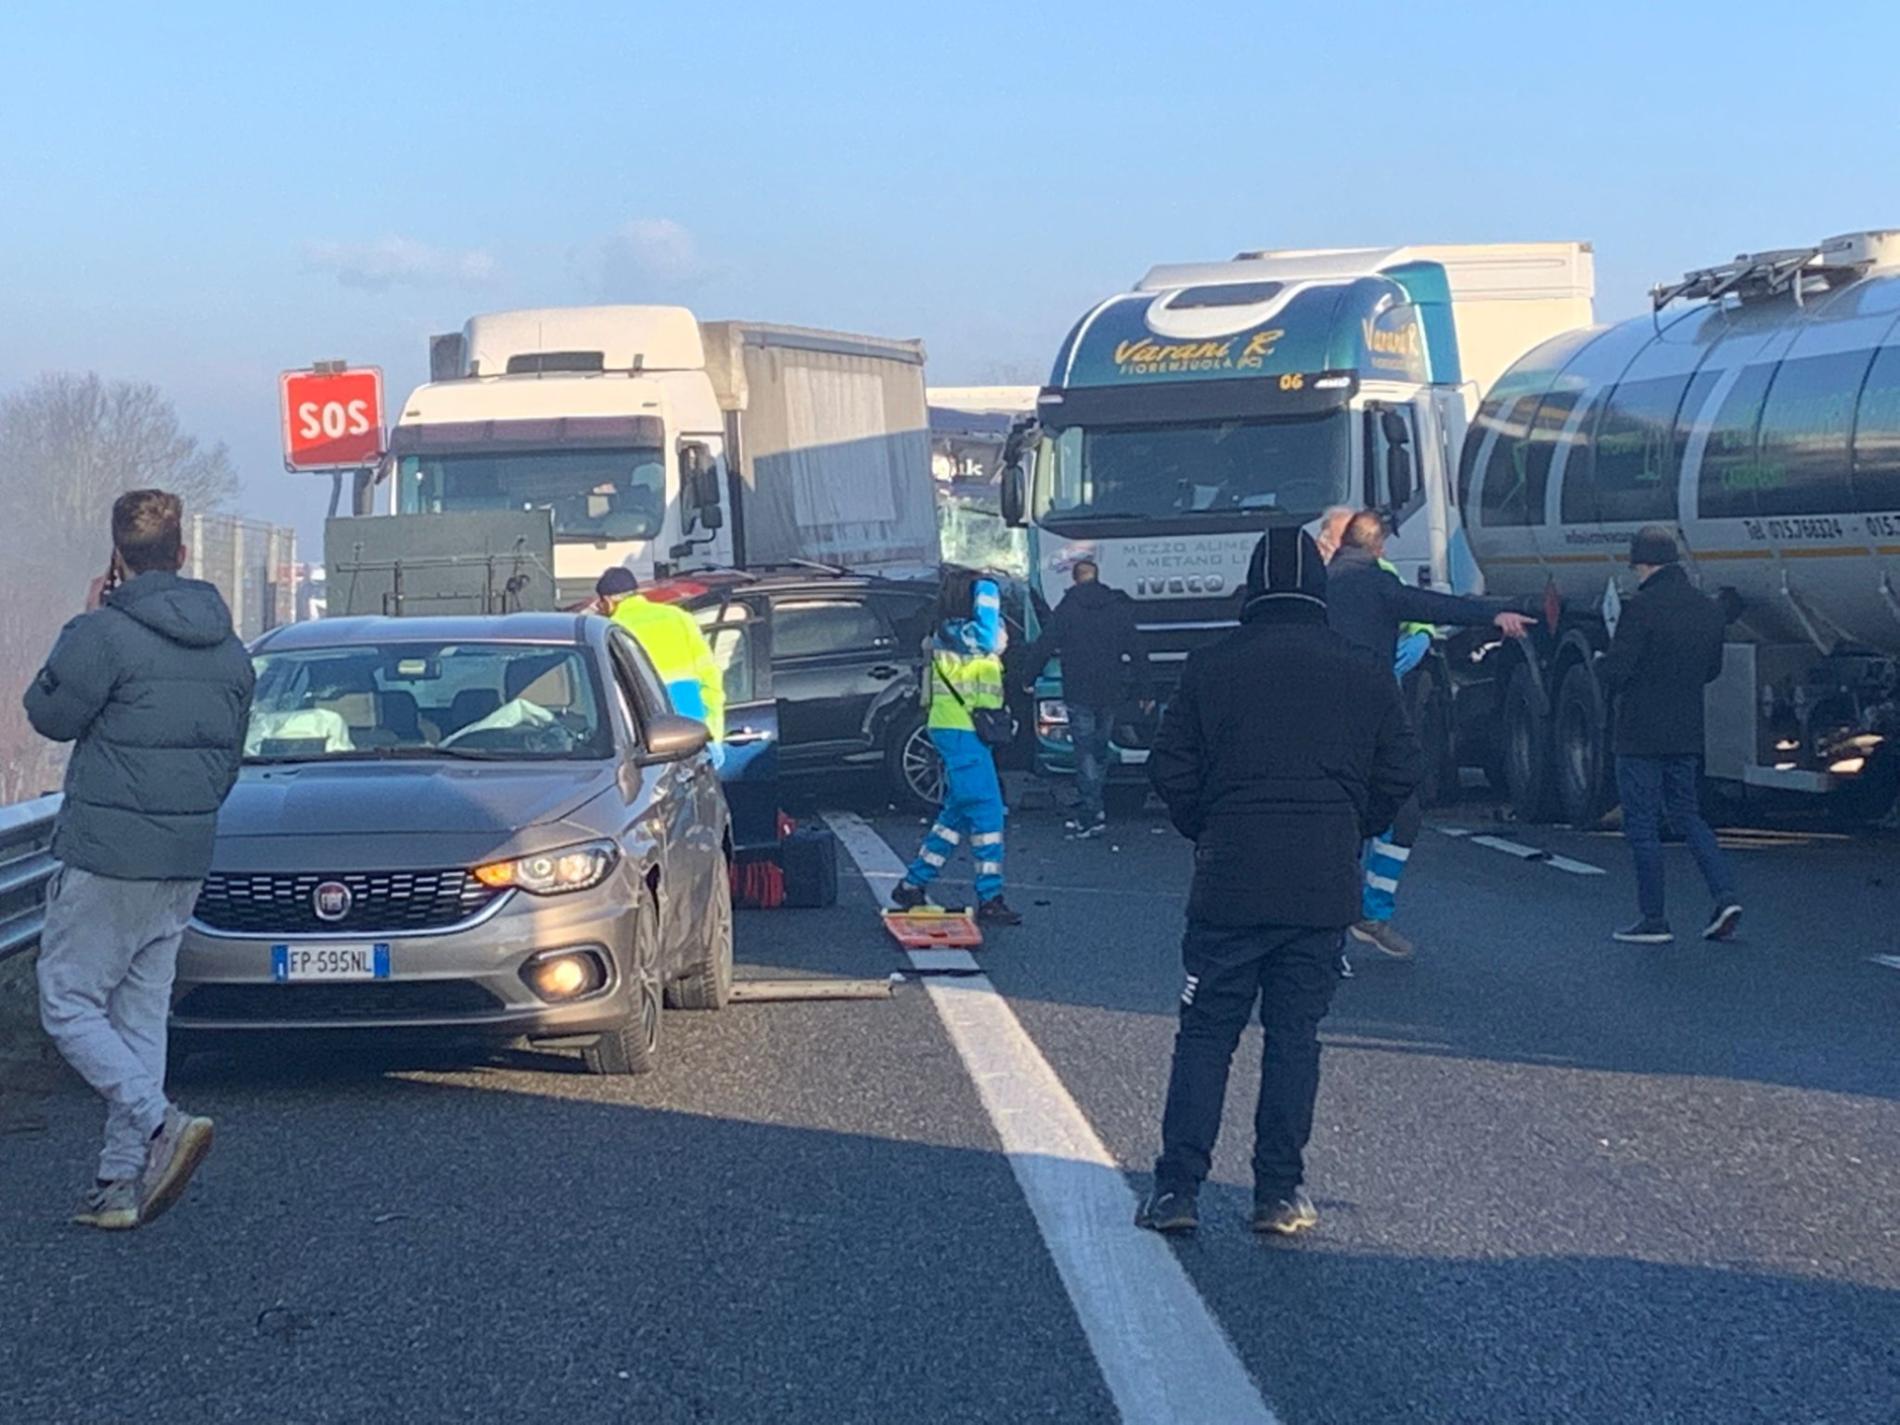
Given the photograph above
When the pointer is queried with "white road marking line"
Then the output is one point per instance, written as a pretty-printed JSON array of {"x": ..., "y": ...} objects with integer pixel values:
[
  {"x": 1162, "y": 1354},
  {"x": 1509, "y": 848},
  {"x": 1521, "y": 851},
  {"x": 1892, "y": 962},
  {"x": 1576, "y": 868}
]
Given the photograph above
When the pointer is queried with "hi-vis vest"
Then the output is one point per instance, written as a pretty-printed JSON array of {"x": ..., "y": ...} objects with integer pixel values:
[
  {"x": 978, "y": 677},
  {"x": 1406, "y": 630},
  {"x": 682, "y": 658}
]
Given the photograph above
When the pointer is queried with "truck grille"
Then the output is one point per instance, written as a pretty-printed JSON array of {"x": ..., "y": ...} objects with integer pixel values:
[{"x": 381, "y": 902}]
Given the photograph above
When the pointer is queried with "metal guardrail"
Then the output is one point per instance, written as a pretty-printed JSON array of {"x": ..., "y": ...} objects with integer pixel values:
[{"x": 26, "y": 865}]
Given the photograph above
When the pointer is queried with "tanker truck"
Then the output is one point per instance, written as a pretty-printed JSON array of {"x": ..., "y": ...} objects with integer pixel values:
[
  {"x": 1755, "y": 411},
  {"x": 643, "y": 436},
  {"x": 1183, "y": 417}
]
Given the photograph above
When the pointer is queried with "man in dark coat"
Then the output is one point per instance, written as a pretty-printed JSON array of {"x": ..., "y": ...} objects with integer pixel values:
[
  {"x": 1283, "y": 749},
  {"x": 154, "y": 690},
  {"x": 1368, "y": 603},
  {"x": 1667, "y": 646},
  {"x": 1103, "y": 665}
]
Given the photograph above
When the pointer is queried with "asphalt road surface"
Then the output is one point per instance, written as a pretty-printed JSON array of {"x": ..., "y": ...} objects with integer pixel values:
[{"x": 1560, "y": 1179}]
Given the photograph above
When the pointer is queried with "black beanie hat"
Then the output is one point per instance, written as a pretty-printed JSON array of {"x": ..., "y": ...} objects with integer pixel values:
[
  {"x": 617, "y": 580},
  {"x": 1286, "y": 565}
]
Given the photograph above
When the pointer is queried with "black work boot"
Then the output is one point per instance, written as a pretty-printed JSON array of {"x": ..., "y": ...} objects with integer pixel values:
[
  {"x": 905, "y": 896},
  {"x": 996, "y": 911}
]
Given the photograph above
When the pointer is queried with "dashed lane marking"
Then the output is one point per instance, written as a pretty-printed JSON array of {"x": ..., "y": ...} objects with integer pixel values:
[
  {"x": 1162, "y": 1354},
  {"x": 1521, "y": 851}
]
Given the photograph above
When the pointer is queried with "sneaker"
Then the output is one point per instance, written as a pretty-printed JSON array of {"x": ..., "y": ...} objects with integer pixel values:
[
  {"x": 905, "y": 896},
  {"x": 111, "y": 1207},
  {"x": 1285, "y": 1215},
  {"x": 1647, "y": 932},
  {"x": 997, "y": 912},
  {"x": 1168, "y": 1212},
  {"x": 1723, "y": 924},
  {"x": 177, "y": 1149},
  {"x": 1089, "y": 830},
  {"x": 1380, "y": 935}
]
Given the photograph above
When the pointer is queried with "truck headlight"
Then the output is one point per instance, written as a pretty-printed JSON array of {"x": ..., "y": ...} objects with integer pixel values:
[{"x": 552, "y": 873}]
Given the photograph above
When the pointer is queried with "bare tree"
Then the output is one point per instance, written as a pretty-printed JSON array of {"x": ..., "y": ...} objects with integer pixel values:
[{"x": 69, "y": 446}]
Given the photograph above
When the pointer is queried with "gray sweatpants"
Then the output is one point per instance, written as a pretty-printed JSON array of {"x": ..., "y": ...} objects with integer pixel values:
[{"x": 107, "y": 958}]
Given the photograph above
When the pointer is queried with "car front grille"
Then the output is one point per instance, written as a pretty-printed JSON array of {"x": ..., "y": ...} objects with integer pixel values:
[
  {"x": 381, "y": 902},
  {"x": 317, "y": 1004}
]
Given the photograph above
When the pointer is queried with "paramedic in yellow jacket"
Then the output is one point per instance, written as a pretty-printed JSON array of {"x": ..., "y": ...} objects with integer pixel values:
[{"x": 675, "y": 646}]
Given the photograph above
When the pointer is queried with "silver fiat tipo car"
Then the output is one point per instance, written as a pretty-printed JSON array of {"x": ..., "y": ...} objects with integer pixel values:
[{"x": 484, "y": 828}]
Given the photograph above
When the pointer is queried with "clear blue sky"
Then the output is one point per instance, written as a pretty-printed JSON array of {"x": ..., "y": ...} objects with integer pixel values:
[{"x": 201, "y": 195}]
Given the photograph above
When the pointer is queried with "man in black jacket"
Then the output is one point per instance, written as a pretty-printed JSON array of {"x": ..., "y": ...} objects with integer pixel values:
[
  {"x": 1667, "y": 646},
  {"x": 1368, "y": 603},
  {"x": 1283, "y": 749},
  {"x": 154, "y": 690},
  {"x": 1103, "y": 665}
]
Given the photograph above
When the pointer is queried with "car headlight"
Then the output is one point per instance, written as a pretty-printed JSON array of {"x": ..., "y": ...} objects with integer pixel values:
[
  {"x": 552, "y": 873},
  {"x": 1052, "y": 711}
]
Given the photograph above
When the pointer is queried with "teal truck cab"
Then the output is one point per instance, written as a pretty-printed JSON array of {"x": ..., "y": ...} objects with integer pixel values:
[{"x": 1183, "y": 418}]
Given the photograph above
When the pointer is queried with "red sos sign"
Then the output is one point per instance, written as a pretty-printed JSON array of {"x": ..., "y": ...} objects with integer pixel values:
[{"x": 332, "y": 419}]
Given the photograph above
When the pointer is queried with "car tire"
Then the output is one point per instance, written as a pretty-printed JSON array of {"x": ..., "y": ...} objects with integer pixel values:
[
  {"x": 708, "y": 984},
  {"x": 912, "y": 769},
  {"x": 634, "y": 1048},
  {"x": 1432, "y": 716}
]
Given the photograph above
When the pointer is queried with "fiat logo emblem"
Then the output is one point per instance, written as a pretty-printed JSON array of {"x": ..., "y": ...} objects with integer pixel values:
[{"x": 332, "y": 901}]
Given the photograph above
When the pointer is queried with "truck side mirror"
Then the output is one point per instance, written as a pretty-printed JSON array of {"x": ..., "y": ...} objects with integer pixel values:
[
  {"x": 1398, "y": 475},
  {"x": 1014, "y": 502},
  {"x": 1396, "y": 431}
]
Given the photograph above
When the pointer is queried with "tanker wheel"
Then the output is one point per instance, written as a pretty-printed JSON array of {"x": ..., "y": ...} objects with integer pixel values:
[
  {"x": 1431, "y": 715},
  {"x": 1585, "y": 788},
  {"x": 1529, "y": 772}
]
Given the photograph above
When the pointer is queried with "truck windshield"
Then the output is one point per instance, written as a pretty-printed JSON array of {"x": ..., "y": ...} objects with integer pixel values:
[
  {"x": 1283, "y": 466},
  {"x": 594, "y": 494}
]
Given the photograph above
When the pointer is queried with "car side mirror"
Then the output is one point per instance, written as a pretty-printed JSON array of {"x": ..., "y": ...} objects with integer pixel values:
[
  {"x": 1013, "y": 499},
  {"x": 672, "y": 738}
]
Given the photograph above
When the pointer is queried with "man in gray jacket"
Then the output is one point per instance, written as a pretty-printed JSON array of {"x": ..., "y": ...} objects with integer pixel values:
[{"x": 154, "y": 690}]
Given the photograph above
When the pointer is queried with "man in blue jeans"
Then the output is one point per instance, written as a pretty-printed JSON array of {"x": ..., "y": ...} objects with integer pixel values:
[{"x": 1667, "y": 646}]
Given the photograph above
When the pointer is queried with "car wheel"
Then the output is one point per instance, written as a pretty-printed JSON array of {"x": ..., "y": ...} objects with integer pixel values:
[
  {"x": 1431, "y": 715},
  {"x": 708, "y": 984},
  {"x": 912, "y": 767},
  {"x": 634, "y": 1048}
]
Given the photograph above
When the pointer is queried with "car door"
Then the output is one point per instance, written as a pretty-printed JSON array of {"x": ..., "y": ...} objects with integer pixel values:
[
  {"x": 739, "y": 632},
  {"x": 669, "y": 830},
  {"x": 833, "y": 655}
]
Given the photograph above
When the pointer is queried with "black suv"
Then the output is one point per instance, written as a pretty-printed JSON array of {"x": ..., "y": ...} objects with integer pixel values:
[{"x": 824, "y": 662}]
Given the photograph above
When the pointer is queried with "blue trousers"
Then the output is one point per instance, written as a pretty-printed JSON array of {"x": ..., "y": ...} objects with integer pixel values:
[
  {"x": 1089, "y": 731},
  {"x": 1651, "y": 789},
  {"x": 972, "y": 807},
  {"x": 1388, "y": 852}
]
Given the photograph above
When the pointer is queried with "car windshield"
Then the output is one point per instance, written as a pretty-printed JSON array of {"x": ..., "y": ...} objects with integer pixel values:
[
  {"x": 1287, "y": 466},
  {"x": 593, "y": 494},
  {"x": 491, "y": 702}
]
